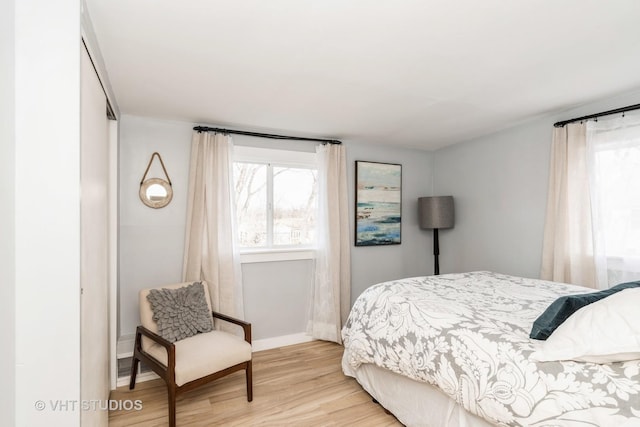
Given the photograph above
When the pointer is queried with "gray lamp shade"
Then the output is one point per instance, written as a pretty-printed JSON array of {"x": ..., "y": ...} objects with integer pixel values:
[{"x": 436, "y": 212}]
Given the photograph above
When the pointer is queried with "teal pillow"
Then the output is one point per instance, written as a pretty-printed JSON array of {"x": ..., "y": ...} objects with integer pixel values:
[{"x": 565, "y": 306}]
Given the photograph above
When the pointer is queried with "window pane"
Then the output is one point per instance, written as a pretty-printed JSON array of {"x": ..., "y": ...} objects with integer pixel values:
[
  {"x": 251, "y": 203},
  {"x": 617, "y": 172},
  {"x": 294, "y": 206}
]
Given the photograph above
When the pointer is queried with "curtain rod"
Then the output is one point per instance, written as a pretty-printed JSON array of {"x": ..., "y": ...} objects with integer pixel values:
[
  {"x": 596, "y": 115},
  {"x": 264, "y": 135}
]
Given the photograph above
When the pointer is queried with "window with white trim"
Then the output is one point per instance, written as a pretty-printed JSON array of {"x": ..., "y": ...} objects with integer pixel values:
[
  {"x": 614, "y": 145},
  {"x": 617, "y": 174},
  {"x": 276, "y": 198}
]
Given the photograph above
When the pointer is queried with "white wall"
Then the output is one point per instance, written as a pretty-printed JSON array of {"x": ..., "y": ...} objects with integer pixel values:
[
  {"x": 276, "y": 296},
  {"x": 7, "y": 214},
  {"x": 275, "y": 293},
  {"x": 151, "y": 240},
  {"x": 499, "y": 183},
  {"x": 374, "y": 264},
  {"x": 47, "y": 200}
]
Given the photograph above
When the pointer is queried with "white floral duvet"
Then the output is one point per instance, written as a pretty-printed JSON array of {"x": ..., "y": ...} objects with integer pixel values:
[{"x": 468, "y": 334}]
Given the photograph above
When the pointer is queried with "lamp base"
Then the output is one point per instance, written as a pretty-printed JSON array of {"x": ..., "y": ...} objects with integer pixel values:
[{"x": 436, "y": 252}]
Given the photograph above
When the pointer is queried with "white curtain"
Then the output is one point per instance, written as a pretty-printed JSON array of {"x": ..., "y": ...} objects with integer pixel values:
[
  {"x": 614, "y": 162},
  {"x": 210, "y": 252},
  {"x": 568, "y": 247},
  {"x": 331, "y": 290}
]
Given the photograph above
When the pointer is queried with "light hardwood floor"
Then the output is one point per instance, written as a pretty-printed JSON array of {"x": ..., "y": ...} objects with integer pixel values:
[{"x": 300, "y": 385}]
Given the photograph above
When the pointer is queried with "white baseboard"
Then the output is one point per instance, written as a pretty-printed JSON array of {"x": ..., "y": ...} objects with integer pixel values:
[
  {"x": 281, "y": 341},
  {"x": 140, "y": 378},
  {"x": 125, "y": 349}
]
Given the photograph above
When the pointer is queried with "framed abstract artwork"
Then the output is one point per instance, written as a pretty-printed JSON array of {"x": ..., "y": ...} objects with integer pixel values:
[{"x": 378, "y": 203}]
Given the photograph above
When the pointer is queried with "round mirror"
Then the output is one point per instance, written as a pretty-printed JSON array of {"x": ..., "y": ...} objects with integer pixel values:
[{"x": 156, "y": 193}]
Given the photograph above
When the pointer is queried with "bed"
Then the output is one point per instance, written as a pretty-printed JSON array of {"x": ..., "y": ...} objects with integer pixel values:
[{"x": 454, "y": 351}]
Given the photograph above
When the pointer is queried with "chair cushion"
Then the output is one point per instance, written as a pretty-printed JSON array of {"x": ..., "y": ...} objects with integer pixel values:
[
  {"x": 204, "y": 354},
  {"x": 180, "y": 313}
]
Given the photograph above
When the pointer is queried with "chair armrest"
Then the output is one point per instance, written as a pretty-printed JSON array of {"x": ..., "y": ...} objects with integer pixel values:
[
  {"x": 168, "y": 372},
  {"x": 230, "y": 319},
  {"x": 154, "y": 337},
  {"x": 246, "y": 326}
]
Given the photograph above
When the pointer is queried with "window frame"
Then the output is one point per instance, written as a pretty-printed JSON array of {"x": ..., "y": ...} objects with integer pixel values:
[
  {"x": 613, "y": 145},
  {"x": 275, "y": 158}
]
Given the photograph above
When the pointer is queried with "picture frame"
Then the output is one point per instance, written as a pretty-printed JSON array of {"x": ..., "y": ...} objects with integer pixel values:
[{"x": 378, "y": 204}]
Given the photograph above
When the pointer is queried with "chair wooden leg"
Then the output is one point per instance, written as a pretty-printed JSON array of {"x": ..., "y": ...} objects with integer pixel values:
[
  {"x": 134, "y": 372},
  {"x": 249, "y": 373},
  {"x": 171, "y": 391}
]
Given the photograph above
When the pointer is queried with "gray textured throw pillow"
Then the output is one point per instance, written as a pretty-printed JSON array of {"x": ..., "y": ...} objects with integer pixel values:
[{"x": 180, "y": 313}]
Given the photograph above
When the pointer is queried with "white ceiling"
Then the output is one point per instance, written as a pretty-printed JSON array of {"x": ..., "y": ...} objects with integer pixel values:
[{"x": 421, "y": 73}]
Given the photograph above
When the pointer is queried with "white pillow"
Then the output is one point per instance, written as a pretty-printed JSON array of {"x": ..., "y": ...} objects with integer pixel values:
[{"x": 602, "y": 332}]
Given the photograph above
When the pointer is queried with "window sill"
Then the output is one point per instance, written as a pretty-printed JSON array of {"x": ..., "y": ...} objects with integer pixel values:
[
  {"x": 275, "y": 255},
  {"x": 623, "y": 263}
]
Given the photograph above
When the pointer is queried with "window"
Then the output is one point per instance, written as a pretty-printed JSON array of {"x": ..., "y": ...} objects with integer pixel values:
[
  {"x": 614, "y": 145},
  {"x": 276, "y": 198},
  {"x": 617, "y": 177}
]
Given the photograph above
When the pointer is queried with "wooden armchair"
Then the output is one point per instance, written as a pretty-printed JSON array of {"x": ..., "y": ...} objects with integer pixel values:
[{"x": 193, "y": 361}]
